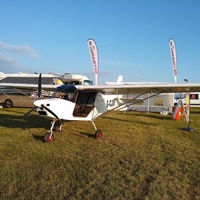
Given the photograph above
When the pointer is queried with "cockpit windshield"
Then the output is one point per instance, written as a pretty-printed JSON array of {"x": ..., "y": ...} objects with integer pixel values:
[{"x": 65, "y": 92}]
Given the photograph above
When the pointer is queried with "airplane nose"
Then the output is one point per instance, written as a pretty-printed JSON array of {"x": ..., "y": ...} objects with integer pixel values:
[{"x": 38, "y": 103}]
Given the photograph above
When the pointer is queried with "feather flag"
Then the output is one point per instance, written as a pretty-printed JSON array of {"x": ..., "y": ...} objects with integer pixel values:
[
  {"x": 173, "y": 56},
  {"x": 94, "y": 57}
]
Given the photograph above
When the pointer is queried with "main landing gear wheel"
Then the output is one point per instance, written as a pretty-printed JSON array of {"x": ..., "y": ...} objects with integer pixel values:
[
  {"x": 57, "y": 127},
  {"x": 98, "y": 134},
  {"x": 48, "y": 137}
]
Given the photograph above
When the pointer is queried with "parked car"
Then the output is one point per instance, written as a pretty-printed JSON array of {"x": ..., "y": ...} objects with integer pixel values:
[
  {"x": 12, "y": 97},
  {"x": 20, "y": 98}
]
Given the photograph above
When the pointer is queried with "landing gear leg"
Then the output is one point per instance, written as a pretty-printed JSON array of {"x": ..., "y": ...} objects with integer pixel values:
[
  {"x": 98, "y": 132},
  {"x": 48, "y": 137}
]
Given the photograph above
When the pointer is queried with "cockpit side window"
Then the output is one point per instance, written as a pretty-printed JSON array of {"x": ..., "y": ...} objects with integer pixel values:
[{"x": 86, "y": 98}]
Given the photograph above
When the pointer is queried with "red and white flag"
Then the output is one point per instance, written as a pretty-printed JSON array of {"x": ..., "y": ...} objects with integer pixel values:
[
  {"x": 173, "y": 56},
  {"x": 94, "y": 57}
]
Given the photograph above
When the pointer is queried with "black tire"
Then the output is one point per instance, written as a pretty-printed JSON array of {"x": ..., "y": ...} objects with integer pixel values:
[
  {"x": 57, "y": 126},
  {"x": 47, "y": 137},
  {"x": 98, "y": 134},
  {"x": 8, "y": 103}
]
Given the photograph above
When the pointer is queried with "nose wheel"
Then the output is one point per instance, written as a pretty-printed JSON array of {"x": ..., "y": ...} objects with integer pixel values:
[{"x": 48, "y": 137}]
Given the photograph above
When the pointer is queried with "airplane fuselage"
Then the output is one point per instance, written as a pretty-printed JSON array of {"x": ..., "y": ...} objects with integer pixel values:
[{"x": 84, "y": 109}]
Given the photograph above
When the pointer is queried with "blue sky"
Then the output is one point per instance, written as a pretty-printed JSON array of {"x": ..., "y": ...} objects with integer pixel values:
[{"x": 132, "y": 37}]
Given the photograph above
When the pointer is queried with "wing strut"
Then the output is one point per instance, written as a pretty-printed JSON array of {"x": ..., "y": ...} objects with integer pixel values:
[
  {"x": 139, "y": 100},
  {"x": 124, "y": 105}
]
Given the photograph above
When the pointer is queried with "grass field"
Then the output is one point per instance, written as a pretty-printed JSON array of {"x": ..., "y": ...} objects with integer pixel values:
[{"x": 141, "y": 156}]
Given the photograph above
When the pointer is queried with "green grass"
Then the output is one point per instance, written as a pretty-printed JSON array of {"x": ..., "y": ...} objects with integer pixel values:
[{"x": 141, "y": 156}]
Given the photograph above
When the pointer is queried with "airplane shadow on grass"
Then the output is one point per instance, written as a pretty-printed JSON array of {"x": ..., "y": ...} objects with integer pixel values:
[
  {"x": 15, "y": 119},
  {"x": 38, "y": 137},
  {"x": 152, "y": 115},
  {"x": 18, "y": 121},
  {"x": 89, "y": 135},
  {"x": 161, "y": 117}
]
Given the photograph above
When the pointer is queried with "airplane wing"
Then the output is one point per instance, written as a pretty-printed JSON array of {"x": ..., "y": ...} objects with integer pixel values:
[
  {"x": 48, "y": 87},
  {"x": 143, "y": 88},
  {"x": 136, "y": 88},
  {"x": 152, "y": 89}
]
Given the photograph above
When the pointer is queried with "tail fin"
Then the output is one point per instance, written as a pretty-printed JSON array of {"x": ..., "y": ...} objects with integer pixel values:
[{"x": 119, "y": 80}]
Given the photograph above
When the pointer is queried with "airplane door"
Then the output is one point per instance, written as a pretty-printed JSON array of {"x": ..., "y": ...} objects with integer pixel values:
[{"x": 84, "y": 103}]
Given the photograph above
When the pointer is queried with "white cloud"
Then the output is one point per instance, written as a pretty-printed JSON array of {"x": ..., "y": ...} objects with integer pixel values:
[
  {"x": 9, "y": 65},
  {"x": 14, "y": 58},
  {"x": 7, "y": 61},
  {"x": 19, "y": 49}
]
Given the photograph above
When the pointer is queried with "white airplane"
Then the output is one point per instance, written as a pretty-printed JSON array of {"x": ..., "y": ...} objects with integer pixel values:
[{"x": 88, "y": 102}]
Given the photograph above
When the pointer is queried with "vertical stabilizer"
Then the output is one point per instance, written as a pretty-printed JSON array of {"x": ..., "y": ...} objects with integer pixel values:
[{"x": 120, "y": 80}]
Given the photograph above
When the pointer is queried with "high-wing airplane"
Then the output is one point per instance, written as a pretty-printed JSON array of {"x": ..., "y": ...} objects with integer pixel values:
[{"x": 86, "y": 103}]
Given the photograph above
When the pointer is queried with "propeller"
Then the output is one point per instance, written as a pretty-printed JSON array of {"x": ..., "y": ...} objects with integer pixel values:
[
  {"x": 39, "y": 95},
  {"x": 26, "y": 114},
  {"x": 40, "y": 87}
]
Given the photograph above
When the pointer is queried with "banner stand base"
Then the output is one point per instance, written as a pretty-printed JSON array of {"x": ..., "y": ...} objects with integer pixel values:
[{"x": 188, "y": 129}]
